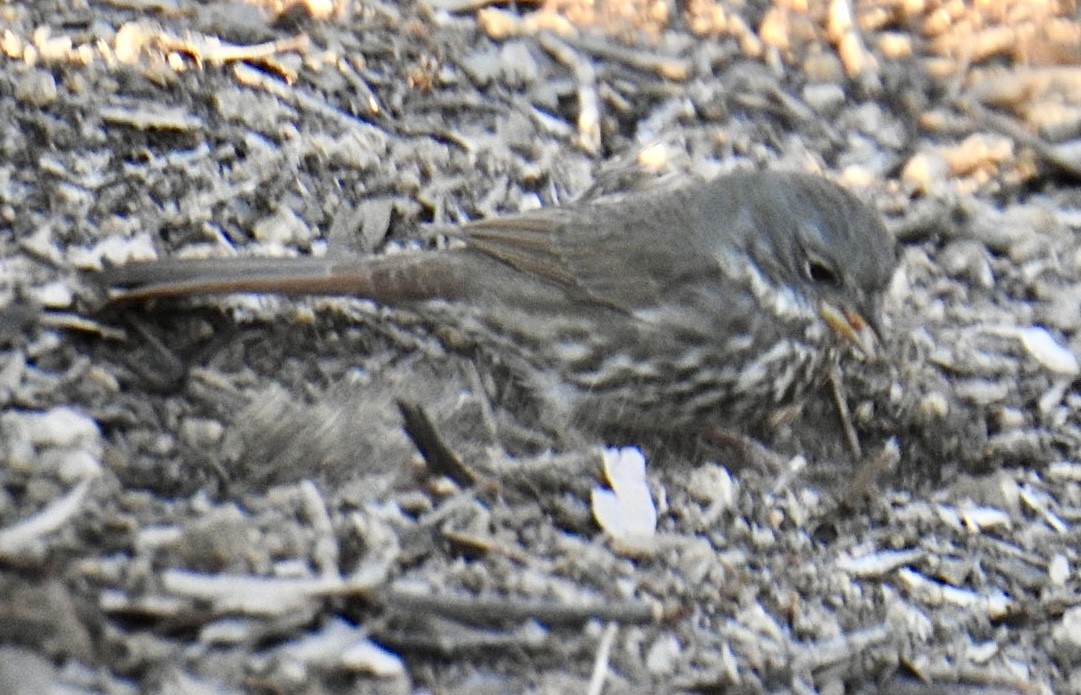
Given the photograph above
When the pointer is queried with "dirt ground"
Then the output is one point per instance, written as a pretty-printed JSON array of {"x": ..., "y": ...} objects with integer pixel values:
[{"x": 220, "y": 495}]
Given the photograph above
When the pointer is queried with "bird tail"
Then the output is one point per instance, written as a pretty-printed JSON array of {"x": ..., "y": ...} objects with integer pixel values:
[{"x": 398, "y": 277}]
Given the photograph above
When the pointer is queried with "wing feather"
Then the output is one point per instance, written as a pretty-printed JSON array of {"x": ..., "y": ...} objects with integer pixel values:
[{"x": 586, "y": 250}]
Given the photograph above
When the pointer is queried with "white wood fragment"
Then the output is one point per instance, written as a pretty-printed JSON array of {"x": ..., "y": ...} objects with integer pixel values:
[
  {"x": 368, "y": 657},
  {"x": 1043, "y": 347},
  {"x": 625, "y": 511},
  {"x": 1058, "y": 570},
  {"x": 980, "y": 519},
  {"x": 993, "y": 603},
  {"x": 878, "y": 564},
  {"x": 982, "y": 653},
  {"x": 19, "y": 537}
]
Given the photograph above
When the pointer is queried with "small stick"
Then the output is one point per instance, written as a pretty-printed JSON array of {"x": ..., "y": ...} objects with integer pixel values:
[
  {"x": 500, "y": 611},
  {"x": 841, "y": 401},
  {"x": 600, "y": 664}
]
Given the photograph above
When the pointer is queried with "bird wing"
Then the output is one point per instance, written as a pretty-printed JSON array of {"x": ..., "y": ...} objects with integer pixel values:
[{"x": 624, "y": 254}]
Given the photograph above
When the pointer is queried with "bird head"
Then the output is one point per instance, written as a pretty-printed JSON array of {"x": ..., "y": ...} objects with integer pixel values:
[{"x": 829, "y": 248}]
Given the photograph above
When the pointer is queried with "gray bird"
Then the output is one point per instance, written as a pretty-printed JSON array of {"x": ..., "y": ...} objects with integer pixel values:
[{"x": 709, "y": 305}]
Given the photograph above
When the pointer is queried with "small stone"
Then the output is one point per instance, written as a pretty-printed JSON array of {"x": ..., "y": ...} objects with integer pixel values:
[
  {"x": 927, "y": 171},
  {"x": 55, "y": 295},
  {"x": 481, "y": 65},
  {"x": 967, "y": 259},
  {"x": 368, "y": 657},
  {"x": 933, "y": 406},
  {"x": 1067, "y": 635},
  {"x": 979, "y": 151},
  {"x": 982, "y": 391},
  {"x": 63, "y": 427},
  {"x": 825, "y": 98},
  {"x": 283, "y": 227},
  {"x": 36, "y": 88},
  {"x": 517, "y": 64},
  {"x": 1058, "y": 570},
  {"x": 663, "y": 656},
  {"x": 824, "y": 67},
  {"x": 201, "y": 433},
  {"x": 1008, "y": 418},
  {"x": 713, "y": 484},
  {"x": 895, "y": 45},
  {"x": 774, "y": 28}
]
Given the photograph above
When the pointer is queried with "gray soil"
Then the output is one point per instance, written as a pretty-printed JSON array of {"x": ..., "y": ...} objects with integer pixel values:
[{"x": 220, "y": 495}]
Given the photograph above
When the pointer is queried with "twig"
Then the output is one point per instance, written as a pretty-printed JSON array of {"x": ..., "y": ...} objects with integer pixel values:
[
  {"x": 837, "y": 388},
  {"x": 251, "y": 77},
  {"x": 499, "y": 611},
  {"x": 589, "y": 109},
  {"x": 17, "y": 538},
  {"x": 80, "y": 324},
  {"x": 600, "y": 663},
  {"x": 1011, "y": 129},
  {"x": 669, "y": 67},
  {"x": 840, "y": 649},
  {"x": 208, "y": 50},
  {"x": 361, "y": 87},
  {"x": 437, "y": 454}
]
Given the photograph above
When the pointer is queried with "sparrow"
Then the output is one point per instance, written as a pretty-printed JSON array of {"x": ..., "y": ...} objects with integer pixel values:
[{"x": 711, "y": 304}]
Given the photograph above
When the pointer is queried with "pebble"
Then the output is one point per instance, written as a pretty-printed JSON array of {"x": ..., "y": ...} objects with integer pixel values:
[
  {"x": 201, "y": 433},
  {"x": 55, "y": 295},
  {"x": 60, "y": 427},
  {"x": 825, "y": 98},
  {"x": 967, "y": 259},
  {"x": 36, "y": 88},
  {"x": 663, "y": 656},
  {"x": 982, "y": 391},
  {"x": 927, "y": 171},
  {"x": 1043, "y": 347},
  {"x": 1067, "y": 635},
  {"x": 283, "y": 227}
]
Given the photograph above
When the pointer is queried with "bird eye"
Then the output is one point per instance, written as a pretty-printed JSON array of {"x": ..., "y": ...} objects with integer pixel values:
[{"x": 821, "y": 272}]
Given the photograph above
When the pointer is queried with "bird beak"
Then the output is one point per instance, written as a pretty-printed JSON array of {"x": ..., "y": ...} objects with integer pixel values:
[{"x": 851, "y": 326}]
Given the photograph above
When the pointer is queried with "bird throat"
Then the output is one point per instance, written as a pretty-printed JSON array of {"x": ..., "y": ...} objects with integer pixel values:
[{"x": 781, "y": 300}]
